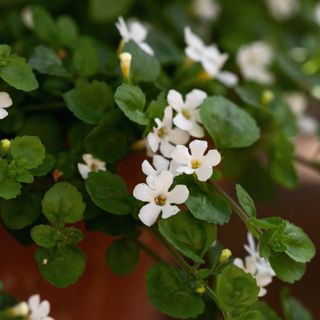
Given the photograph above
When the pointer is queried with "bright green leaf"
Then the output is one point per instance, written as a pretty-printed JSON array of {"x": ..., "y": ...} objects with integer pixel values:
[{"x": 44, "y": 236}]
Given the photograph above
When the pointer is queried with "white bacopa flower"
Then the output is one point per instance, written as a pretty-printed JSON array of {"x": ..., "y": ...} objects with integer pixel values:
[
  {"x": 187, "y": 117},
  {"x": 317, "y": 13},
  {"x": 207, "y": 10},
  {"x": 91, "y": 164},
  {"x": 164, "y": 137},
  {"x": 283, "y": 9},
  {"x": 196, "y": 162},
  {"x": 134, "y": 31},
  {"x": 38, "y": 310},
  {"x": 5, "y": 102},
  {"x": 210, "y": 57},
  {"x": 27, "y": 17},
  {"x": 298, "y": 103},
  {"x": 257, "y": 266},
  {"x": 254, "y": 60},
  {"x": 160, "y": 198}
]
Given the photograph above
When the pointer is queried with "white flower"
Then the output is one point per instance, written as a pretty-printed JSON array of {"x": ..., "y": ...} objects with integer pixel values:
[
  {"x": 5, "y": 102},
  {"x": 283, "y": 9},
  {"x": 91, "y": 164},
  {"x": 19, "y": 310},
  {"x": 134, "y": 31},
  {"x": 160, "y": 198},
  {"x": 27, "y": 17},
  {"x": 210, "y": 57},
  {"x": 257, "y": 266},
  {"x": 254, "y": 59},
  {"x": 164, "y": 136},
  {"x": 39, "y": 310},
  {"x": 317, "y": 13},
  {"x": 196, "y": 162},
  {"x": 187, "y": 117},
  {"x": 299, "y": 104},
  {"x": 207, "y": 10}
]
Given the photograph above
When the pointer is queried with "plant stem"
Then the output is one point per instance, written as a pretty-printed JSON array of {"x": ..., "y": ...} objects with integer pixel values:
[
  {"x": 148, "y": 251},
  {"x": 309, "y": 164},
  {"x": 213, "y": 296}
]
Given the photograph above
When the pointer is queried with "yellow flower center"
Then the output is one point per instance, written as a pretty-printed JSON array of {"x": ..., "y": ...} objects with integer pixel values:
[
  {"x": 195, "y": 164},
  {"x": 161, "y": 132},
  {"x": 160, "y": 200},
  {"x": 186, "y": 114}
]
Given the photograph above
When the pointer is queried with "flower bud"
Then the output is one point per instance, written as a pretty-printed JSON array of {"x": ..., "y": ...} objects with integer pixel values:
[
  {"x": 200, "y": 289},
  {"x": 125, "y": 64},
  {"x": 20, "y": 310},
  {"x": 5, "y": 146},
  {"x": 267, "y": 97},
  {"x": 225, "y": 255}
]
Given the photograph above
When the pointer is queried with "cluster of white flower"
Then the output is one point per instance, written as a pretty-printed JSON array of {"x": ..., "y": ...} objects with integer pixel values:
[
  {"x": 34, "y": 309},
  {"x": 91, "y": 164},
  {"x": 170, "y": 141},
  {"x": 5, "y": 102},
  {"x": 257, "y": 266}
]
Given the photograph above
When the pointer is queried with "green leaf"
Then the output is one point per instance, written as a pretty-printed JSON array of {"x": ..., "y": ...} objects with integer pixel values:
[
  {"x": 227, "y": 124},
  {"x": 293, "y": 308},
  {"x": 9, "y": 188},
  {"x": 28, "y": 152},
  {"x": 18, "y": 74},
  {"x": 235, "y": 289},
  {"x": 5, "y": 51},
  {"x": 43, "y": 25},
  {"x": 21, "y": 212},
  {"x": 172, "y": 294},
  {"x": 246, "y": 201},
  {"x": 63, "y": 203},
  {"x": 67, "y": 30},
  {"x": 299, "y": 247},
  {"x": 90, "y": 101},
  {"x": 286, "y": 269},
  {"x": 107, "y": 10},
  {"x": 109, "y": 192},
  {"x": 131, "y": 100},
  {"x": 208, "y": 206},
  {"x": 189, "y": 235},
  {"x": 44, "y": 236},
  {"x": 86, "y": 59},
  {"x": 144, "y": 67},
  {"x": 61, "y": 266},
  {"x": 46, "y": 61},
  {"x": 266, "y": 312},
  {"x": 71, "y": 236},
  {"x": 44, "y": 168},
  {"x": 122, "y": 256}
]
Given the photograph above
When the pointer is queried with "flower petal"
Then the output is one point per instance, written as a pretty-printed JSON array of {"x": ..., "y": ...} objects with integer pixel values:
[
  {"x": 34, "y": 302},
  {"x": 153, "y": 141},
  {"x": 166, "y": 148},
  {"x": 143, "y": 192},
  {"x": 178, "y": 136},
  {"x": 212, "y": 158},
  {"x": 84, "y": 170},
  {"x": 163, "y": 182},
  {"x": 149, "y": 214},
  {"x": 123, "y": 29},
  {"x": 239, "y": 263},
  {"x": 3, "y": 113},
  {"x": 147, "y": 168},
  {"x": 204, "y": 173},
  {"x": 160, "y": 163},
  {"x": 227, "y": 78},
  {"x": 138, "y": 31},
  {"x": 179, "y": 194},
  {"x": 181, "y": 155},
  {"x": 5, "y": 100},
  {"x": 197, "y": 131},
  {"x": 168, "y": 211},
  {"x": 198, "y": 148},
  {"x": 146, "y": 48},
  {"x": 175, "y": 100},
  {"x": 44, "y": 309},
  {"x": 195, "y": 98},
  {"x": 192, "y": 40},
  {"x": 182, "y": 122}
]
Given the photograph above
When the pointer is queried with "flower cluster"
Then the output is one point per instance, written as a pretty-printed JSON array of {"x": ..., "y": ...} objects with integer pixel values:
[
  {"x": 257, "y": 266},
  {"x": 170, "y": 141}
]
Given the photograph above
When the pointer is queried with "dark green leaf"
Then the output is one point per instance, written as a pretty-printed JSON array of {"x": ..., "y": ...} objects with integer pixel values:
[{"x": 246, "y": 201}]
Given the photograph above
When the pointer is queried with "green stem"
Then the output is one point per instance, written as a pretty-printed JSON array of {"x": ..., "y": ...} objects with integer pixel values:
[{"x": 213, "y": 297}]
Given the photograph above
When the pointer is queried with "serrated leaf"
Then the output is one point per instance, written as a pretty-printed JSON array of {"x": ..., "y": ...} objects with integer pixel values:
[{"x": 44, "y": 236}]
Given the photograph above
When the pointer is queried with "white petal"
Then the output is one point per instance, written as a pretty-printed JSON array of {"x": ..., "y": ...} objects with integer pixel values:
[
  {"x": 149, "y": 214},
  {"x": 160, "y": 163},
  {"x": 44, "y": 309},
  {"x": 167, "y": 118},
  {"x": 193, "y": 54},
  {"x": 212, "y": 158},
  {"x": 173, "y": 167},
  {"x": 175, "y": 100},
  {"x": 84, "y": 170},
  {"x": 179, "y": 194},
  {"x": 153, "y": 141},
  {"x": 5, "y": 100},
  {"x": 34, "y": 302},
  {"x": 150, "y": 181},
  {"x": 138, "y": 31},
  {"x": 178, "y": 136},
  {"x": 185, "y": 169},
  {"x": 181, "y": 155},
  {"x": 197, "y": 131},
  {"x": 204, "y": 173},
  {"x": 263, "y": 279},
  {"x": 147, "y": 168},
  {"x": 195, "y": 98},
  {"x": 198, "y": 148},
  {"x": 239, "y": 263},
  {"x": 146, "y": 48},
  {"x": 262, "y": 292},
  {"x": 163, "y": 182},
  {"x": 3, "y": 113},
  {"x": 251, "y": 265},
  {"x": 143, "y": 192},
  {"x": 87, "y": 158},
  {"x": 227, "y": 78},
  {"x": 168, "y": 211},
  {"x": 183, "y": 123},
  {"x": 192, "y": 40},
  {"x": 123, "y": 29},
  {"x": 166, "y": 149}
]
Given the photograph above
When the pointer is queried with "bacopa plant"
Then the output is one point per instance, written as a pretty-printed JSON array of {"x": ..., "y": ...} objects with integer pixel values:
[{"x": 211, "y": 93}]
